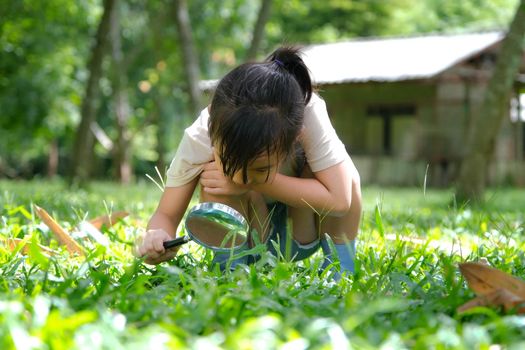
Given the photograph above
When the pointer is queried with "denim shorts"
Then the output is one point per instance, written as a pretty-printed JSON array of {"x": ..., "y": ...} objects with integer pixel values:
[{"x": 280, "y": 238}]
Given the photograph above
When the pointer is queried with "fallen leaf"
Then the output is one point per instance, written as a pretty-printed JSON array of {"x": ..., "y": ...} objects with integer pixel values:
[
  {"x": 500, "y": 297},
  {"x": 108, "y": 220},
  {"x": 13, "y": 243},
  {"x": 62, "y": 236},
  {"x": 483, "y": 279},
  {"x": 492, "y": 287}
]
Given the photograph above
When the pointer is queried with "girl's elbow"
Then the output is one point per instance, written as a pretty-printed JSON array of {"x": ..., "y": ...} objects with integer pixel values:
[
  {"x": 342, "y": 206},
  {"x": 350, "y": 197}
]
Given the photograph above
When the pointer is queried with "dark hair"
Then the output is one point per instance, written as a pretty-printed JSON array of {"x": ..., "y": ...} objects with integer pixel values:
[{"x": 258, "y": 109}]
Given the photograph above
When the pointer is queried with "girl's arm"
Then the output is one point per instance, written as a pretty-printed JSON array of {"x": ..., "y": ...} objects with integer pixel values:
[
  {"x": 330, "y": 191},
  {"x": 164, "y": 222}
]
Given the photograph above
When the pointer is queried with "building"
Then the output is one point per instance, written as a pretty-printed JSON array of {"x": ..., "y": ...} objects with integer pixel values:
[{"x": 403, "y": 106}]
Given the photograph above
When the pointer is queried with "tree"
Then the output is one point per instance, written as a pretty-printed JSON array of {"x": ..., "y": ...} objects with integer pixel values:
[
  {"x": 258, "y": 29},
  {"x": 48, "y": 43},
  {"x": 480, "y": 144},
  {"x": 122, "y": 150},
  {"x": 42, "y": 54},
  {"x": 191, "y": 62},
  {"x": 82, "y": 149}
]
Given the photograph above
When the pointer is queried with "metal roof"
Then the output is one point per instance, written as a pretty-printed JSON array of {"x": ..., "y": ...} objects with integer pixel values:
[{"x": 393, "y": 59}]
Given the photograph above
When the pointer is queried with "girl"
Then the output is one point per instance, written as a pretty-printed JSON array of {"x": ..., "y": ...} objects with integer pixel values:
[{"x": 265, "y": 146}]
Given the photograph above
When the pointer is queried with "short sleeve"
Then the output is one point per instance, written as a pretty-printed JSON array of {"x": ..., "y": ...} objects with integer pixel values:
[
  {"x": 322, "y": 146},
  {"x": 193, "y": 152}
]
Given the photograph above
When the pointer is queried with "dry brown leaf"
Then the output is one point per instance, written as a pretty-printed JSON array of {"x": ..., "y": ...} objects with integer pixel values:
[
  {"x": 477, "y": 301},
  {"x": 13, "y": 243},
  {"x": 500, "y": 297},
  {"x": 507, "y": 299},
  {"x": 61, "y": 235},
  {"x": 493, "y": 287},
  {"x": 485, "y": 280},
  {"x": 108, "y": 220}
]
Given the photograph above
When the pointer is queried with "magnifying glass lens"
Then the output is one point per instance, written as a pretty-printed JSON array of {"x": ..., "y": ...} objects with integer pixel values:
[
  {"x": 213, "y": 233},
  {"x": 217, "y": 226}
]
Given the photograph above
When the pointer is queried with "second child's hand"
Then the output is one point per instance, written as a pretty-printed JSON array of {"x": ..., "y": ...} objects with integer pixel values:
[{"x": 213, "y": 181}]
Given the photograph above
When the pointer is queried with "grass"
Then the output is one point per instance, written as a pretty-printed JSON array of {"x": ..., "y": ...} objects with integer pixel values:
[{"x": 403, "y": 295}]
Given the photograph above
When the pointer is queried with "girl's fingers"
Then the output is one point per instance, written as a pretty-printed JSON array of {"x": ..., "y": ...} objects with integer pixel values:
[
  {"x": 210, "y": 166},
  {"x": 210, "y": 174},
  {"x": 144, "y": 248},
  {"x": 152, "y": 255},
  {"x": 158, "y": 246},
  {"x": 209, "y": 183},
  {"x": 157, "y": 259},
  {"x": 213, "y": 190},
  {"x": 150, "y": 246}
]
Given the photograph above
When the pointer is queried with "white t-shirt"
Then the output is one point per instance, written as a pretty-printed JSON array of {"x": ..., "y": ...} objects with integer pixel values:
[{"x": 321, "y": 145}]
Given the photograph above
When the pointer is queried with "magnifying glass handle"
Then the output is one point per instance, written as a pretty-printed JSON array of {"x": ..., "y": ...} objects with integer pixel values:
[{"x": 176, "y": 242}]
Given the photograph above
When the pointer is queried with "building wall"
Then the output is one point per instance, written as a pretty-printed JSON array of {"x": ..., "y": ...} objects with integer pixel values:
[
  {"x": 348, "y": 103},
  {"x": 348, "y": 106},
  {"x": 428, "y": 146},
  {"x": 459, "y": 101}
]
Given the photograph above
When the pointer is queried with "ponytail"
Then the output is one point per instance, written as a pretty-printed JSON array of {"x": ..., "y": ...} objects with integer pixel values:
[
  {"x": 289, "y": 59},
  {"x": 258, "y": 108}
]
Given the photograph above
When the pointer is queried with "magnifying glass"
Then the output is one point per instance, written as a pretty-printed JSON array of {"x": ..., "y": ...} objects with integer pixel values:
[{"x": 215, "y": 226}]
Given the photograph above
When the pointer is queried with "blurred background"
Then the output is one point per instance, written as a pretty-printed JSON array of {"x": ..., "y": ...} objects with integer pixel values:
[{"x": 104, "y": 89}]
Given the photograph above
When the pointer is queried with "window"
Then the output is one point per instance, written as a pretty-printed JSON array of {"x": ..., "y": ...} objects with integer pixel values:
[{"x": 391, "y": 130}]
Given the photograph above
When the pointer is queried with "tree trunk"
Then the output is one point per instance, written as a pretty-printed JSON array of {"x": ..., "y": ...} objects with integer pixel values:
[
  {"x": 484, "y": 130},
  {"x": 189, "y": 57},
  {"x": 161, "y": 134},
  {"x": 258, "y": 30},
  {"x": 122, "y": 152},
  {"x": 52, "y": 160},
  {"x": 159, "y": 97},
  {"x": 82, "y": 149}
]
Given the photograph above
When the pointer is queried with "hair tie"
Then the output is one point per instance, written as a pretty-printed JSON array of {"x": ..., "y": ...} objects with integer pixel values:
[{"x": 279, "y": 62}]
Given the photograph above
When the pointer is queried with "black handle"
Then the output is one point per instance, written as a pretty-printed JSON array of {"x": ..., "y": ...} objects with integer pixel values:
[{"x": 176, "y": 242}]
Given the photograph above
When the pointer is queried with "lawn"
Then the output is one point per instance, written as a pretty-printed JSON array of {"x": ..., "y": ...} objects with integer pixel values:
[{"x": 404, "y": 294}]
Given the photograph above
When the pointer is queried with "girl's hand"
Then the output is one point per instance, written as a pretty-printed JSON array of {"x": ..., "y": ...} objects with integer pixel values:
[
  {"x": 150, "y": 245},
  {"x": 214, "y": 182}
]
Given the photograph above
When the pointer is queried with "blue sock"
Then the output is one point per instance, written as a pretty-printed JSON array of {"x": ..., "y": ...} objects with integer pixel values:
[{"x": 346, "y": 254}]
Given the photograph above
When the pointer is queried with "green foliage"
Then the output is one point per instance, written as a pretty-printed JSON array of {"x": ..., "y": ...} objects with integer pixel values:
[
  {"x": 403, "y": 295},
  {"x": 317, "y": 21},
  {"x": 45, "y": 46}
]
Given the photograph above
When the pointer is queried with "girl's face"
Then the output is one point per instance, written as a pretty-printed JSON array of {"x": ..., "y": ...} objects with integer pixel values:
[{"x": 261, "y": 170}]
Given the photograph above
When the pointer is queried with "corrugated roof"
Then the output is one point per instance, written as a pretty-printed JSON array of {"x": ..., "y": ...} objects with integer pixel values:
[{"x": 393, "y": 59}]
